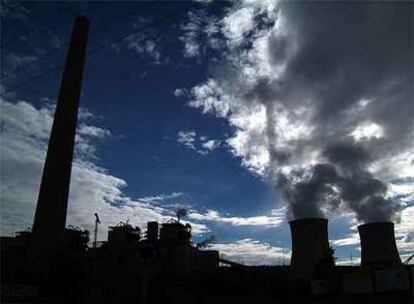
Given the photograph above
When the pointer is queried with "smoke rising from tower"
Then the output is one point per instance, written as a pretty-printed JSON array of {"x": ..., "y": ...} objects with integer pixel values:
[{"x": 319, "y": 105}]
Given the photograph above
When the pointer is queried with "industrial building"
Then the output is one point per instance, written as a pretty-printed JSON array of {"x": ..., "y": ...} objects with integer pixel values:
[
  {"x": 53, "y": 263},
  {"x": 162, "y": 265}
]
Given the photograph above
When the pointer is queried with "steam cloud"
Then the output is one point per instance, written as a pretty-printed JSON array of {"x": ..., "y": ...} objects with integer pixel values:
[
  {"x": 341, "y": 181},
  {"x": 320, "y": 95}
]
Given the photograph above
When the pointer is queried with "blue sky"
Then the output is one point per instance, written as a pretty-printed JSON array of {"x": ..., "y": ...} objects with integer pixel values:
[{"x": 176, "y": 112}]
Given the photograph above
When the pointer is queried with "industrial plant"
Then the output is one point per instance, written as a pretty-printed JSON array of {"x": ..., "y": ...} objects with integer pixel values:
[{"x": 55, "y": 263}]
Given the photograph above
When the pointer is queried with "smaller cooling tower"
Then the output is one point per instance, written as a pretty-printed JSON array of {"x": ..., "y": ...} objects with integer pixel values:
[
  {"x": 310, "y": 246},
  {"x": 378, "y": 246}
]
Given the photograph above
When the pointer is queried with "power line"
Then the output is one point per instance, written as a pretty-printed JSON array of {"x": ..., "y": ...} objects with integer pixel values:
[
  {"x": 38, "y": 76},
  {"x": 97, "y": 49},
  {"x": 16, "y": 9},
  {"x": 13, "y": 40},
  {"x": 115, "y": 20},
  {"x": 149, "y": 25},
  {"x": 56, "y": 50}
]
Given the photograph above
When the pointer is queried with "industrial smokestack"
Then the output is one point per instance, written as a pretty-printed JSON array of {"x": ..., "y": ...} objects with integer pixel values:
[
  {"x": 50, "y": 218},
  {"x": 378, "y": 246},
  {"x": 310, "y": 246}
]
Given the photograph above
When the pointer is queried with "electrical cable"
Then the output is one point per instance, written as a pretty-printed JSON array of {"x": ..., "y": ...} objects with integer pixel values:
[
  {"x": 13, "y": 40},
  {"x": 56, "y": 50},
  {"x": 95, "y": 50}
]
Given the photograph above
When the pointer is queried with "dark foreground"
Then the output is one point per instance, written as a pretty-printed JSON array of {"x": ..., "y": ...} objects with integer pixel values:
[{"x": 169, "y": 268}]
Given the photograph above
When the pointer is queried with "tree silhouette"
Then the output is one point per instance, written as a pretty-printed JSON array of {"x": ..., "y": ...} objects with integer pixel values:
[{"x": 181, "y": 212}]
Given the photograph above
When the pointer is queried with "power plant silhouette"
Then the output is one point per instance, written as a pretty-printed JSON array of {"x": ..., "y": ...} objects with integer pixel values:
[{"x": 53, "y": 263}]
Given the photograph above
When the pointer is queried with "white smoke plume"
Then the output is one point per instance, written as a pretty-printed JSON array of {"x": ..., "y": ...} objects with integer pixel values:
[{"x": 321, "y": 100}]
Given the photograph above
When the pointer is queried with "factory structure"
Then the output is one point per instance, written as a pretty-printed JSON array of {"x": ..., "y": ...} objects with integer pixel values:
[{"x": 53, "y": 263}]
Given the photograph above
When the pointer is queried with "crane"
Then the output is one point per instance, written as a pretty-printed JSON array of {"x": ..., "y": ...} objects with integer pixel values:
[{"x": 95, "y": 234}]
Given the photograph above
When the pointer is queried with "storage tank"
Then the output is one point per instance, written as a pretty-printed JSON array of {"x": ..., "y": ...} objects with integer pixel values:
[
  {"x": 310, "y": 246},
  {"x": 152, "y": 231},
  {"x": 378, "y": 246}
]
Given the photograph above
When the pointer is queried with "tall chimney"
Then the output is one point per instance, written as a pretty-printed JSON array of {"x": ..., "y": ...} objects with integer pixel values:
[
  {"x": 50, "y": 217},
  {"x": 310, "y": 246},
  {"x": 378, "y": 246}
]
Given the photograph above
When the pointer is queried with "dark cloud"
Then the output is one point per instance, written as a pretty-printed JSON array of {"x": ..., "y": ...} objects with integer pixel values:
[
  {"x": 347, "y": 155},
  {"x": 343, "y": 182},
  {"x": 361, "y": 192},
  {"x": 347, "y": 52},
  {"x": 335, "y": 81},
  {"x": 312, "y": 194}
]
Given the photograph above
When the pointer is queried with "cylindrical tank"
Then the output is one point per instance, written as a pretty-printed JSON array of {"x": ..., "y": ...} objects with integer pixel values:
[
  {"x": 378, "y": 246},
  {"x": 310, "y": 246},
  {"x": 152, "y": 231}
]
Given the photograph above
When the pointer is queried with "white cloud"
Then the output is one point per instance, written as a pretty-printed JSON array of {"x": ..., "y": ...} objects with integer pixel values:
[
  {"x": 211, "y": 144},
  {"x": 238, "y": 23},
  {"x": 179, "y": 92},
  {"x": 252, "y": 252},
  {"x": 191, "y": 49},
  {"x": 93, "y": 131},
  {"x": 367, "y": 130},
  {"x": 191, "y": 31},
  {"x": 404, "y": 231},
  {"x": 402, "y": 190},
  {"x": 284, "y": 118},
  {"x": 144, "y": 46},
  {"x": 209, "y": 98},
  {"x": 249, "y": 141},
  {"x": 201, "y": 144},
  {"x": 355, "y": 261},
  {"x": 24, "y": 135},
  {"x": 275, "y": 219},
  {"x": 161, "y": 197},
  {"x": 199, "y": 32},
  {"x": 349, "y": 240},
  {"x": 187, "y": 138},
  {"x": 395, "y": 166}
]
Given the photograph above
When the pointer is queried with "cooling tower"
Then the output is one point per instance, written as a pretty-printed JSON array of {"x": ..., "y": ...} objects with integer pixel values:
[
  {"x": 378, "y": 246},
  {"x": 310, "y": 245}
]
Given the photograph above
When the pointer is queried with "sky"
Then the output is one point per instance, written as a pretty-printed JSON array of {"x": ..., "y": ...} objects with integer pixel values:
[{"x": 247, "y": 113}]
